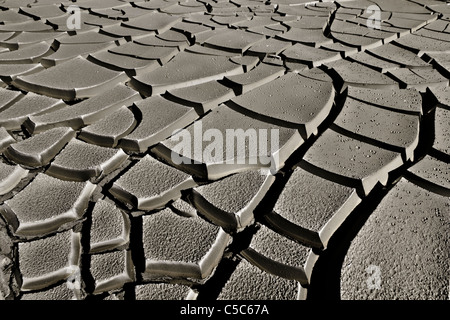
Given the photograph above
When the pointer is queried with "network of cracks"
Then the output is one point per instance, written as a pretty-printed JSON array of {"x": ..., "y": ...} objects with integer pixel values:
[{"x": 95, "y": 97}]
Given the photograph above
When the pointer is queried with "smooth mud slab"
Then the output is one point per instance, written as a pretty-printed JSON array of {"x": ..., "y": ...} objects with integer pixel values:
[
  {"x": 162, "y": 291},
  {"x": 366, "y": 163},
  {"x": 142, "y": 186},
  {"x": 363, "y": 120},
  {"x": 44, "y": 262},
  {"x": 55, "y": 83},
  {"x": 31, "y": 104},
  {"x": 10, "y": 176},
  {"x": 159, "y": 118},
  {"x": 47, "y": 205},
  {"x": 432, "y": 174},
  {"x": 111, "y": 270},
  {"x": 85, "y": 112},
  {"x": 398, "y": 250},
  {"x": 292, "y": 99},
  {"x": 182, "y": 71},
  {"x": 407, "y": 101},
  {"x": 164, "y": 149},
  {"x": 80, "y": 161},
  {"x": 181, "y": 246},
  {"x": 310, "y": 208},
  {"x": 107, "y": 131},
  {"x": 250, "y": 282},
  {"x": 40, "y": 149},
  {"x": 231, "y": 201},
  {"x": 442, "y": 131},
  {"x": 241, "y": 155},
  {"x": 110, "y": 227}
]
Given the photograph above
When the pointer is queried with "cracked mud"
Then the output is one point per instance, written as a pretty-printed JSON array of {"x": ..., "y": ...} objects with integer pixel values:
[{"x": 95, "y": 95}]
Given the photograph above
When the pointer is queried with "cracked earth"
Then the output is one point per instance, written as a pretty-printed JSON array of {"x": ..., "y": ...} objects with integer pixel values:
[{"x": 93, "y": 205}]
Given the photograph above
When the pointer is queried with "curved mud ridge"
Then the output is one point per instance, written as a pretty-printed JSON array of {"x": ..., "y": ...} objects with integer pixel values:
[{"x": 216, "y": 150}]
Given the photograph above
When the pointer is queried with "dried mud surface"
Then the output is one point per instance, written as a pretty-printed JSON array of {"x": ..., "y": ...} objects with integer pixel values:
[{"x": 93, "y": 95}]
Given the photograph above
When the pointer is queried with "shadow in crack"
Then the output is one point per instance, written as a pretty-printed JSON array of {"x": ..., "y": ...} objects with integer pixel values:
[{"x": 326, "y": 276}]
